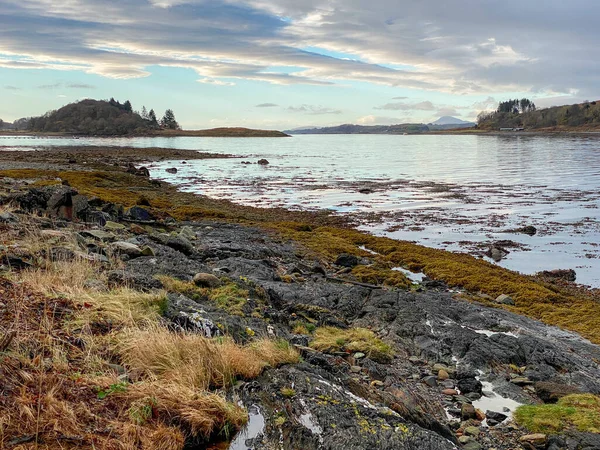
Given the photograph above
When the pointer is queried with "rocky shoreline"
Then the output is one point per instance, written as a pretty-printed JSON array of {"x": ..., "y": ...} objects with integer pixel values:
[{"x": 422, "y": 366}]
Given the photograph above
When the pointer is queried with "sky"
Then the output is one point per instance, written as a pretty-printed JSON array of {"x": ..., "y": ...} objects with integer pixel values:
[{"x": 282, "y": 64}]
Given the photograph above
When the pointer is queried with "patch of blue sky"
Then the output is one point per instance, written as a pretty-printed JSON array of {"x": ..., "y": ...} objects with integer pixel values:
[
  {"x": 398, "y": 67},
  {"x": 332, "y": 53}
]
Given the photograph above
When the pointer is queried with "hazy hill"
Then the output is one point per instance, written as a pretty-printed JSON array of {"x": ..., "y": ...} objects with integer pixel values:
[
  {"x": 449, "y": 120},
  {"x": 410, "y": 128}
]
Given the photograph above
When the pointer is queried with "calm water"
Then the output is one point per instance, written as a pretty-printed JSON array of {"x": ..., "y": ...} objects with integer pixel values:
[{"x": 455, "y": 192}]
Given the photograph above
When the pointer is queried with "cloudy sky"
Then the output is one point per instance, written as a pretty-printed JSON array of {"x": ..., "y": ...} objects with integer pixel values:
[{"x": 287, "y": 63}]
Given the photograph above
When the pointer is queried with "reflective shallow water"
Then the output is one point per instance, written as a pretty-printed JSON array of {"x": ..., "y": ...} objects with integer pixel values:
[{"x": 456, "y": 192}]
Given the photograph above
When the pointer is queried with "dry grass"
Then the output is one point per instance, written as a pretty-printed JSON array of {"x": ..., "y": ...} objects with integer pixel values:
[
  {"x": 60, "y": 379},
  {"x": 331, "y": 339},
  {"x": 195, "y": 361}
]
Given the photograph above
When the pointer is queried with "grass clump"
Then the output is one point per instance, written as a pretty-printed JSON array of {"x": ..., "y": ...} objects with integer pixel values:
[
  {"x": 576, "y": 411},
  {"x": 230, "y": 296},
  {"x": 381, "y": 276},
  {"x": 288, "y": 392},
  {"x": 332, "y": 339},
  {"x": 197, "y": 362}
]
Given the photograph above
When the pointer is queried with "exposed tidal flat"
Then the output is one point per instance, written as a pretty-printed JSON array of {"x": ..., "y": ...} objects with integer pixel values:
[
  {"x": 211, "y": 303},
  {"x": 461, "y": 193}
]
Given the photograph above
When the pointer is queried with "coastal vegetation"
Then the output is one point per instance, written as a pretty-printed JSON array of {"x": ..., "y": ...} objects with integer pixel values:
[
  {"x": 82, "y": 365},
  {"x": 579, "y": 412},
  {"x": 153, "y": 331},
  {"x": 327, "y": 236},
  {"x": 524, "y": 114}
]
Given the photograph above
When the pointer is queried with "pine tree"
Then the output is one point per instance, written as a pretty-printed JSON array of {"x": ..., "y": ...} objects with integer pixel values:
[
  {"x": 144, "y": 113},
  {"x": 168, "y": 121},
  {"x": 152, "y": 118},
  {"x": 127, "y": 106}
]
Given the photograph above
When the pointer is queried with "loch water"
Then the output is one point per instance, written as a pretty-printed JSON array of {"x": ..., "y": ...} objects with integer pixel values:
[{"x": 458, "y": 192}]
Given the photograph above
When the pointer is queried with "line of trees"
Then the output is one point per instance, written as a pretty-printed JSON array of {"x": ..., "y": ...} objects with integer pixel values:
[
  {"x": 100, "y": 117},
  {"x": 523, "y": 113}
]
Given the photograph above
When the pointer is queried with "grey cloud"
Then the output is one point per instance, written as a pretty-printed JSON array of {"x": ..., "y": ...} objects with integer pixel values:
[
  {"x": 12, "y": 88},
  {"x": 488, "y": 103},
  {"x": 313, "y": 110},
  {"x": 80, "y": 86},
  {"x": 448, "y": 112},
  {"x": 421, "y": 106},
  {"x": 266, "y": 105},
  {"x": 50, "y": 86},
  {"x": 399, "y": 98},
  {"x": 483, "y": 47}
]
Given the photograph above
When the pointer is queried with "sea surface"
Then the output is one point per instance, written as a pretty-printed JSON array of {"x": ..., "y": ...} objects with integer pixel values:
[{"x": 461, "y": 193}]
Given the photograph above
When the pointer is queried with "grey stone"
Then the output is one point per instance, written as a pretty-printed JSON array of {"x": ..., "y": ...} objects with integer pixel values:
[
  {"x": 126, "y": 248},
  {"x": 206, "y": 280},
  {"x": 504, "y": 300}
]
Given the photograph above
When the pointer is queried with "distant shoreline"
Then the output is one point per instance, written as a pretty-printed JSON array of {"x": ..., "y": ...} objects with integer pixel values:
[{"x": 213, "y": 132}]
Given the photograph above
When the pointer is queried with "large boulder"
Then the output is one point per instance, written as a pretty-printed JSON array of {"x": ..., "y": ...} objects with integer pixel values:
[
  {"x": 346, "y": 260},
  {"x": 127, "y": 248},
  {"x": 468, "y": 385},
  {"x": 206, "y": 280},
  {"x": 139, "y": 214},
  {"x": 552, "y": 392},
  {"x": 61, "y": 203}
]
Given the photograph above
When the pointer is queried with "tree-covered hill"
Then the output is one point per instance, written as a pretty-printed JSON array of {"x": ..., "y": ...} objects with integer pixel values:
[
  {"x": 524, "y": 114},
  {"x": 99, "y": 117}
]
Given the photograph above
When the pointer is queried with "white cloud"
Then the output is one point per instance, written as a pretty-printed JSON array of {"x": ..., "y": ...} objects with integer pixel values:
[
  {"x": 314, "y": 110},
  {"x": 420, "y": 106}
]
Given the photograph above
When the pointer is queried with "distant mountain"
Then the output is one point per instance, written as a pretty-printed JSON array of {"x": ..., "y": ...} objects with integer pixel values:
[
  {"x": 408, "y": 128},
  {"x": 449, "y": 120}
]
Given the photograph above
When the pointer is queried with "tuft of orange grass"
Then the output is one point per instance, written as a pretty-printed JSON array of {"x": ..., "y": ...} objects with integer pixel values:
[{"x": 195, "y": 361}]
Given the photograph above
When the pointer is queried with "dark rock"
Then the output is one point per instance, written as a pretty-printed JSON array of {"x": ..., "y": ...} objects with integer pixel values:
[
  {"x": 467, "y": 385},
  {"x": 263, "y": 162},
  {"x": 430, "y": 381},
  {"x": 141, "y": 172},
  {"x": 139, "y": 214},
  {"x": 552, "y": 392},
  {"x": 495, "y": 416},
  {"x": 497, "y": 253},
  {"x": 171, "y": 170},
  {"x": 529, "y": 229},
  {"x": 139, "y": 281},
  {"x": 206, "y": 280},
  {"x": 180, "y": 244},
  {"x": 33, "y": 200},
  {"x": 115, "y": 211},
  {"x": 346, "y": 260},
  {"x": 473, "y": 396},
  {"x": 81, "y": 207},
  {"x": 574, "y": 440},
  {"x": 15, "y": 262},
  {"x": 98, "y": 217},
  {"x": 60, "y": 203},
  {"x": 559, "y": 274}
]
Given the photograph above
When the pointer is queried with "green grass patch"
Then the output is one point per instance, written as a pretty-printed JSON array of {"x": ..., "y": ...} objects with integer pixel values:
[
  {"x": 332, "y": 339},
  {"x": 576, "y": 411}
]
